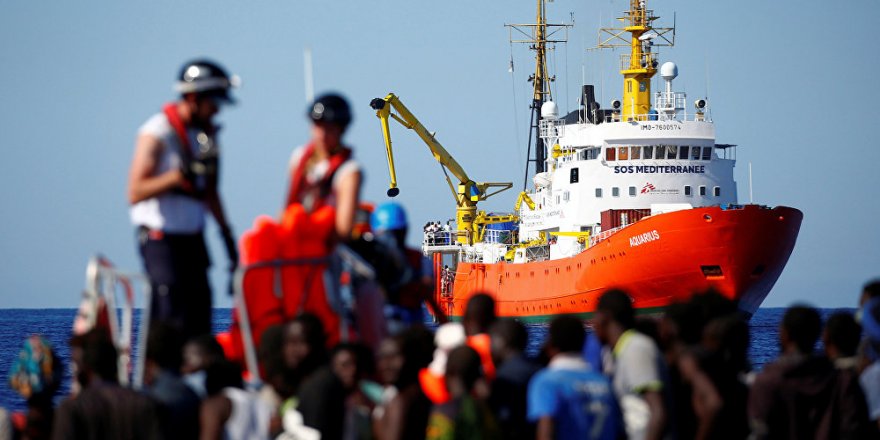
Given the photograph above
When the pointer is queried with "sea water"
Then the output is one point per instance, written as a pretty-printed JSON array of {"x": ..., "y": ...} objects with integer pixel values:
[{"x": 55, "y": 325}]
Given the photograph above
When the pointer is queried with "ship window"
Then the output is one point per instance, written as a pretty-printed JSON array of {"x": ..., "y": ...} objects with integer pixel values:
[
  {"x": 687, "y": 190},
  {"x": 659, "y": 152},
  {"x": 609, "y": 153},
  {"x": 632, "y": 191},
  {"x": 598, "y": 192},
  {"x": 635, "y": 153},
  {"x": 695, "y": 153},
  {"x": 670, "y": 151},
  {"x": 707, "y": 153},
  {"x": 622, "y": 153},
  {"x": 574, "y": 175},
  {"x": 593, "y": 153},
  {"x": 683, "y": 152},
  {"x": 702, "y": 190},
  {"x": 717, "y": 191},
  {"x": 648, "y": 151},
  {"x": 615, "y": 192}
]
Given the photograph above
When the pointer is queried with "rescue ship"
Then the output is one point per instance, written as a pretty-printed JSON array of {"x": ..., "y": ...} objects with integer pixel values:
[{"x": 637, "y": 196}]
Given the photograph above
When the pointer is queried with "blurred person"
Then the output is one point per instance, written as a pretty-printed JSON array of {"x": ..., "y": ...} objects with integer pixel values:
[
  {"x": 635, "y": 365},
  {"x": 230, "y": 412},
  {"x": 172, "y": 185},
  {"x": 466, "y": 415},
  {"x": 869, "y": 314},
  {"x": 473, "y": 330},
  {"x": 36, "y": 374},
  {"x": 198, "y": 354},
  {"x": 512, "y": 375},
  {"x": 353, "y": 364},
  {"x": 800, "y": 394},
  {"x": 405, "y": 273},
  {"x": 403, "y": 411},
  {"x": 705, "y": 344},
  {"x": 841, "y": 338},
  {"x": 103, "y": 409},
  {"x": 568, "y": 398},
  {"x": 178, "y": 404}
]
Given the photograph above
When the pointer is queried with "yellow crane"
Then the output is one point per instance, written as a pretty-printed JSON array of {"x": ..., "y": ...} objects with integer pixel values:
[{"x": 467, "y": 192}]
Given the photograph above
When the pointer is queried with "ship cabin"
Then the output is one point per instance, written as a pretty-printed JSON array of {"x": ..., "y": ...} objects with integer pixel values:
[{"x": 605, "y": 170}]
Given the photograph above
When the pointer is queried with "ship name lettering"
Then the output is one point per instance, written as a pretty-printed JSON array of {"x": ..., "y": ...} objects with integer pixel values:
[
  {"x": 660, "y": 169},
  {"x": 641, "y": 239}
]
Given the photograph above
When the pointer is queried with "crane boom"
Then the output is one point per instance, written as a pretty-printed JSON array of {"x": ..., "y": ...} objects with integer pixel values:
[{"x": 467, "y": 193}]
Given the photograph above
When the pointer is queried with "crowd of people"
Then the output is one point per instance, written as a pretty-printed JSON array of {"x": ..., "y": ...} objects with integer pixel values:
[{"x": 682, "y": 375}]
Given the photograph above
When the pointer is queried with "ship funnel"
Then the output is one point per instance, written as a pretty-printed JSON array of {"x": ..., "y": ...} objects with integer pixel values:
[{"x": 549, "y": 110}]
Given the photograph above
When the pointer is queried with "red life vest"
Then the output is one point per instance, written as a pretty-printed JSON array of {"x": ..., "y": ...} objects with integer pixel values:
[{"x": 277, "y": 295}]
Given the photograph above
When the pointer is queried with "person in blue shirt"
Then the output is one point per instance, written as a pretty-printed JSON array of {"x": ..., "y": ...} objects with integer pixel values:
[{"x": 569, "y": 399}]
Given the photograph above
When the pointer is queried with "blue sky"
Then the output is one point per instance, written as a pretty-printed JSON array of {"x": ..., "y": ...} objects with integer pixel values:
[{"x": 790, "y": 82}]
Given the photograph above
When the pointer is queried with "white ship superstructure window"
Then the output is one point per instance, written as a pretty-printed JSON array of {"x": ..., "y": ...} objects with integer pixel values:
[
  {"x": 609, "y": 153},
  {"x": 574, "y": 175},
  {"x": 702, "y": 190},
  {"x": 660, "y": 152},
  {"x": 683, "y": 152},
  {"x": 622, "y": 153},
  {"x": 590, "y": 153},
  {"x": 707, "y": 153},
  {"x": 687, "y": 190},
  {"x": 615, "y": 192},
  {"x": 717, "y": 191},
  {"x": 670, "y": 151},
  {"x": 635, "y": 153},
  {"x": 598, "y": 192},
  {"x": 632, "y": 191},
  {"x": 695, "y": 153},
  {"x": 648, "y": 151}
]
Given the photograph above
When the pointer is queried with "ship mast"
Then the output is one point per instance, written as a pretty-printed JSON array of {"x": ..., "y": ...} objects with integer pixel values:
[
  {"x": 537, "y": 35},
  {"x": 640, "y": 65}
]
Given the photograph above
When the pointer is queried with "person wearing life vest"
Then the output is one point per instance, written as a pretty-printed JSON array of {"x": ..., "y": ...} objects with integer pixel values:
[
  {"x": 172, "y": 186},
  {"x": 325, "y": 183},
  {"x": 404, "y": 272}
]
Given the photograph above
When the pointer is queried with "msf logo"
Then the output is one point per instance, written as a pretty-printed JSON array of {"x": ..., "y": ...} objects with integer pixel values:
[{"x": 647, "y": 188}]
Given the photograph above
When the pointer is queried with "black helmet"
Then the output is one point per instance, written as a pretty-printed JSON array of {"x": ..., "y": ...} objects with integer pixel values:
[
  {"x": 331, "y": 108},
  {"x": 207, "y": 78}
]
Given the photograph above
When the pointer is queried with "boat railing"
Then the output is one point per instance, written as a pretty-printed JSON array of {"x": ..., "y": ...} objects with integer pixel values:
[
  {"x": 598, "y": 238},
  {"x": 670, "y": 101},
  {"x": 440, "y": 238},
  {"x": 552, "y": 128},
  {"x": 344, "y": 259},
  {"x": 104, "y": 283}
]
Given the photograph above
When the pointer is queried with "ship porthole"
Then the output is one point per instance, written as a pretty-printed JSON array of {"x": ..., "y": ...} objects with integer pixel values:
[{"x": 708, "y": 218}]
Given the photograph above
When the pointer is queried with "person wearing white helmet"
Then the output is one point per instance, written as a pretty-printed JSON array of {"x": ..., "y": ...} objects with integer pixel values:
[{"x": 172, "y": 186}]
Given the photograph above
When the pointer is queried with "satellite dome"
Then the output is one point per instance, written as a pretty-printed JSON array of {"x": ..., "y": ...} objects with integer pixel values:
[
  {"x": 669, "y": 70},
  {"x": 549, "y": 110}
]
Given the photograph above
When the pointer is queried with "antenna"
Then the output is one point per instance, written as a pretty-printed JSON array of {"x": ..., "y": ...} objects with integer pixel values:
[{"x": 308, "y": 77}]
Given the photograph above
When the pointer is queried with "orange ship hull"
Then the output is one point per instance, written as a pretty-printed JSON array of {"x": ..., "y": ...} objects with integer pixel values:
[{"x": 739, "y": 252}]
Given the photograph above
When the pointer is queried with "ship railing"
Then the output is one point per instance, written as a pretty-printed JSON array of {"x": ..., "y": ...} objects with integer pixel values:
[
  {"x": 104, "y": 283},
  {"x": 440, "y": 238},
  {"x": 552, "y": 128},
  {"x": 679, "y": 115},
  {"x": 598, "y": 238},
  {"x": 647, "y": 59},
  {"x": 670, "y": 101}
]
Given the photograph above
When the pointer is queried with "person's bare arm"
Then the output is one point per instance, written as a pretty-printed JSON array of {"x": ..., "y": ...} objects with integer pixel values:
[
  {"x": 658, "y": 415},
  {"x": 391, "y": 424},
  {"x": 705, "y": 399},
  {"x": 347, "y": 195},
  {"x": 213, "y": 414},
  {"x": 545, "y": 429},
  {"x": 142, "y": 183}
]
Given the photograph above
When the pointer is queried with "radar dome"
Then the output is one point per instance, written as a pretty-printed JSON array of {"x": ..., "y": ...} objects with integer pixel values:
[
  {"x": 668, "y": 70},
  {"x": 549, "y": 110}
]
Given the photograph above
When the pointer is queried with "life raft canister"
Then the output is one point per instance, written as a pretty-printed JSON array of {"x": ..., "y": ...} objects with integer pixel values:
[{"x": 274, "y": 295}]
